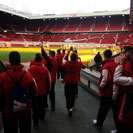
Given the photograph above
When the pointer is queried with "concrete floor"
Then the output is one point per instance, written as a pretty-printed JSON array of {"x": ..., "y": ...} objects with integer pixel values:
[{"x": 86, "y": 109}]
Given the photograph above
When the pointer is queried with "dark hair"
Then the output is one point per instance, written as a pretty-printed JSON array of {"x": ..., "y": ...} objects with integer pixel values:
[
  {"x": 127, "y": 48},
  {"x": 52, "y": 53},
  {"x": 130, "y": 52},
  {"x": 14, "y": 58},
  {"x": 73, "y": 57},
  {"x": 107, "y": 53},
  {"x": 38, "y": 59},
  {"x": 75, "y": 51},
  {"x": 58, "y": 51},
  {"x": 63, "y": 50},
  {"x": 98, "y": 58},
  {"x": 38, "y": 54},
  {"x": 71, "y": 48}
]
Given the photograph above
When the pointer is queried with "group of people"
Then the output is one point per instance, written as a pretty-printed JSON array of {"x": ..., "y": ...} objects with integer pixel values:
[
  {"x": 116, "y": 90},
  {"x": 24, "y": 93}
]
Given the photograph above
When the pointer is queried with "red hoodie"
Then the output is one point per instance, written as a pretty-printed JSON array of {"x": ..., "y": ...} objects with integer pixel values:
[
  {"x": 6, "y": 86},
  {"x": 43, "y": 62},
  {"x": 42, "y": 77},
  {"x": 72, "y": 71},
  {"x": 59, "y": 59}
]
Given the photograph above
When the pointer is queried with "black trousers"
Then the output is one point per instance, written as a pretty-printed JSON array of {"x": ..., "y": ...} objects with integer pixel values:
[
  {"x": 11, "y": 125},
  {"x": 59, "y": 72},
  {"x": 39, "y": 109},
  {"x": 121, "y": 128},
  {"x": 76, "y": 91},
  {"x": 105, "y": 104},
  {"x": 52, "y": 95},
  {"x": 70, "y": 90}
]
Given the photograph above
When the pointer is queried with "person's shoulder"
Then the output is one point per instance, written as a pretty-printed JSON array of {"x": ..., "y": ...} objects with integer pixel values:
[{"x": 27, "y": 74}]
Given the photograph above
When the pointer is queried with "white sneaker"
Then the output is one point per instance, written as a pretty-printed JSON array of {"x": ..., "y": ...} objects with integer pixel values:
[
  {"x": 96, "y": 125},
  {"x": 94, "y": 121},
  {"x": 70, "y": 112},
  {"x": 113, "y": 131}
]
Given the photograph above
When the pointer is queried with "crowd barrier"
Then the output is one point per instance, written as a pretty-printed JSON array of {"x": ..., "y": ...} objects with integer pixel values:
[{"x": 89, "y": 80}]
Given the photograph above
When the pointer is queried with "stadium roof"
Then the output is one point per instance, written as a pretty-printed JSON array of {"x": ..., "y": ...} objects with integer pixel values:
[
  {"x": 81, "y": 15},
  {"x": 31, "y": 16},
  {"x": 66, "y": 6}
]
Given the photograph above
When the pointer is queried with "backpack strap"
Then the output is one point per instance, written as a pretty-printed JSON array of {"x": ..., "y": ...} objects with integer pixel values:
[
  {"x": 22, "y": 77},
  {"x": 13, "y": 79}
]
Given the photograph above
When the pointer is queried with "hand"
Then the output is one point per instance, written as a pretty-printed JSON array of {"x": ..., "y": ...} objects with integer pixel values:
[
  {"x": 18, "y": 106},
  {"x": 41, "y": 45}
]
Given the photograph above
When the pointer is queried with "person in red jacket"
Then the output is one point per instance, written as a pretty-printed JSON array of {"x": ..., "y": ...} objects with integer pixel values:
[
  {"x": 71, "y": 79},
  {"x": 20, "y": 115},
  {"x": 79, "y": 60},
  {"x": 118, "y": 91},
  {"x": 62, "y": 69},
  {"x": 52, "y": 67},
  {"x": 34, "y": 62},
  {"x": 43, "y": 81},
  {"x": 105, "y": 87},
  {"x": 59, "y": 61},
  {"x": 123, "y": 94}
]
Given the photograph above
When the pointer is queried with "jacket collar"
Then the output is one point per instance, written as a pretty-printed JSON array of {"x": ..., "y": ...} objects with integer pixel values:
[
  {"x": 38, "y": 63},
  {"x": 15, "y": 67},
  {"x": 106, "y": 61}
]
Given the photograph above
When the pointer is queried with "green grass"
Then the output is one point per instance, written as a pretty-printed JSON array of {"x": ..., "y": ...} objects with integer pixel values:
[{"x": 24, "y": 56}]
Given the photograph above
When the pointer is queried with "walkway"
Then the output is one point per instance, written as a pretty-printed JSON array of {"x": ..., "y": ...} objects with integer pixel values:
[{"x": 81, "y": 122}]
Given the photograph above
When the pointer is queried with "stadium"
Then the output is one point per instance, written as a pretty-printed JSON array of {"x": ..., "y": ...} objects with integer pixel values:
[{"x": 89, "y": 34}]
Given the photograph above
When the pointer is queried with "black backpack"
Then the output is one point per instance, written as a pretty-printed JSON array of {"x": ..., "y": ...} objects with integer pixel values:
[{"x": 17, "y": 93}]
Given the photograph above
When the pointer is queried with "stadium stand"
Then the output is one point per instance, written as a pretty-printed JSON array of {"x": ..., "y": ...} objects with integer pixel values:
[
  {"x": 72, "y": 25},
  {"x": 60, "y": 25},
  {"x": 97, "y": 29},
  {"x": 115, "y": 23},
  {"x": 100, "y": 23},
  {"x": 86, "y": 24}
]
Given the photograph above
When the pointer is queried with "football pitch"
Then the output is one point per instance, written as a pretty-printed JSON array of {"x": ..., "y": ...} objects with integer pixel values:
[{"x": 27, "y": 54}]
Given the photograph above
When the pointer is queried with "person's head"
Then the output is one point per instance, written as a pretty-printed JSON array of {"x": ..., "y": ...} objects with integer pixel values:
[
  {"x": 63, "y": 50},
  {"x": 73, "y": 57},
  {"x": 38, "y": 54},
  {"x": 58, "y": 51},
  {"x": 75, "y": 51},
  {"x": 130, "y": 55},
  {"x": 14, "y": 58},
  {"x": 98, "y": 58},
  {"x": 125, "y": 49},
  {"x": 38, "y": 57},
  {"x": 107, "y": 54},
  {"x": 124, "y": 54},
  {"x": 52, "y": 53}
]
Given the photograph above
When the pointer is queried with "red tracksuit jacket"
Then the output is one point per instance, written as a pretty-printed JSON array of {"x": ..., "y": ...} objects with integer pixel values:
[
  {"x": 106, "y": 78},
  {"x": 6, "y": 86},
  {"x": 42, "y": 77},
  {"x": 72, "y": 71}
]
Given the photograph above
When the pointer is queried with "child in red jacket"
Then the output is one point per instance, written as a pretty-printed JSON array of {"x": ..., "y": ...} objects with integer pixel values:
[
  {"x": 71, "y": 79},
  {"x": 20, "y": 116},
  {"x": 43, "y": 81}
]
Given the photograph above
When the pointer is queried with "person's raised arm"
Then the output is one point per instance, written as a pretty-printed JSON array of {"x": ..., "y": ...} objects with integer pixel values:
[{"x": 47, "y": 58}]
